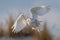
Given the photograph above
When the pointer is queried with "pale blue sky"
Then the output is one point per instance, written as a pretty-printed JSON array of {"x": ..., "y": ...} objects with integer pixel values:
[{"x": 7, "y": 6}]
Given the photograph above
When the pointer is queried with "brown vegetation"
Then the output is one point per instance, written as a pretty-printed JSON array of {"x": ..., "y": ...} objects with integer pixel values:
[
  {"x": 1, "y": 31},
  {"x": 45, "y": 35},
  {"x": 10, "y": 23}
]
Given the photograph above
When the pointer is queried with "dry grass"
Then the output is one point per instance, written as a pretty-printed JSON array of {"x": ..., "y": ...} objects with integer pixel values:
[
  {"x": 36, "y": 35},
  {"x": 10, "y": 23},
  {"x": 1, "y": 31},
  {"x": 45, "y": 35}
]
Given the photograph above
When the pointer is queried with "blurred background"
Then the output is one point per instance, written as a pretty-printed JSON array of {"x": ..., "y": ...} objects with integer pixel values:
[{"x": 10, "y": 10}]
